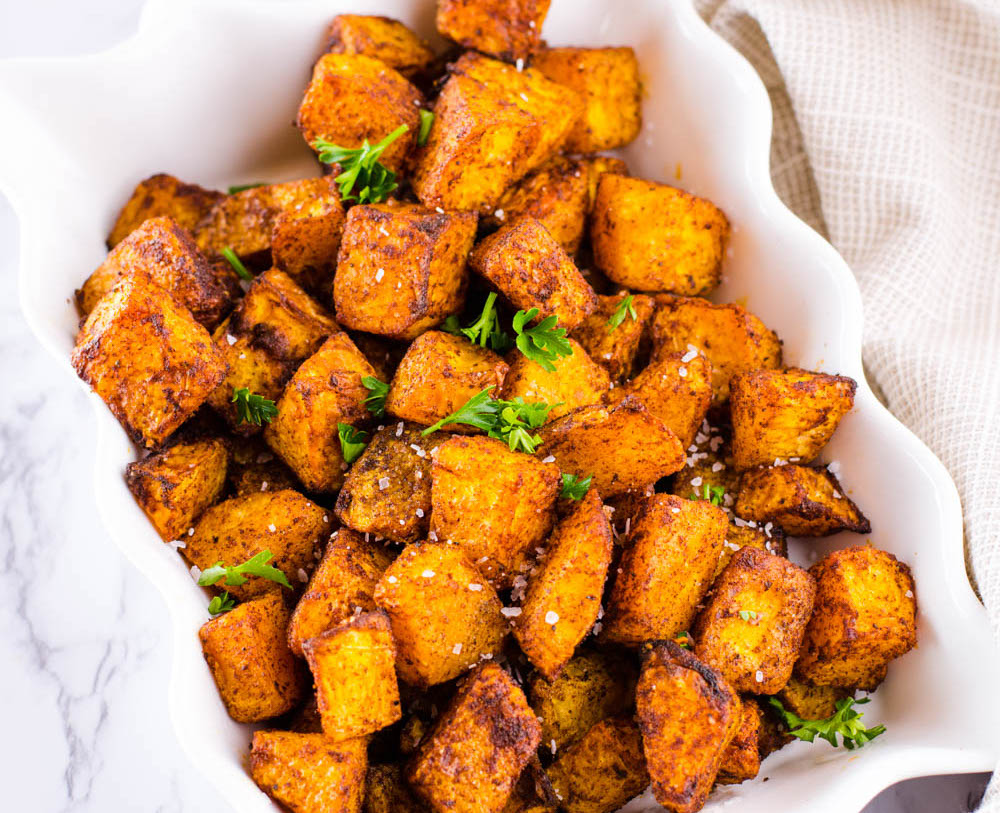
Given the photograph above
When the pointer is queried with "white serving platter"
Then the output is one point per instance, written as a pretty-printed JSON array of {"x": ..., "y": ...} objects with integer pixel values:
[{"x": 207, "y": 90}]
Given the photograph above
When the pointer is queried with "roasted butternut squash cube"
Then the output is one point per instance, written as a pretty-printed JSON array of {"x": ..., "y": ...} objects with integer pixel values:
[
  {"x": 401, "y": 268},
  {"x": 602, "y": 771},
  {"x": 495, "y": 504},
  {"x": 306, "y": 235},
  {"x": 564, "y": 594},
  {"x": 653, "y": 237},
  {"x": 532, "y": 270},
  {"x": 492, "y": 125},
  {"x": 353, "y": 98},
  {"x": 676, "y": 391},
  {"x": 624, "y": 447},
  {"x": 343, "y": 583},
  {"x": 592, "y": 686},
  {"x": 381, "y": 37},
  {"x": 688, "y": 715},
  {"x": 257, "y": 676},
  {"x": 163, "y": 195},
  {"x": 353, "y": 666},
  {"x": 596, "y": 166},
  {"x": 666, "y": 568},
  {"x": 810, "y": 702},
  {"x": 165, "y": 253},
  {"x": 253, "y": 467},
  {"x": 786, "y": 415},
  {"x": 175, "y": 486},
  {"x": 285, "y": 523},
  {"x": 741, "y": 760},
  {"x": 148, "y": 359},
  {"x": 768, "y": 538},
  {"x": 504, "y": 29},
  {"x": 325, "y": 391},
  {"x": 307, "y": 773},
  {"x": 438, "y": 374},
  {"x": 752, "y": 625},
  {"x": 865, "y": 617},
  {"x": 445, "y": 615},
  {"x": 615, "y": 348},
  {"x": 576, "y": 382},
  {"x": 387, "y": 492},
  {"x": 608, "y": 79},
  {"x": 732, "y": 338},
  {"x": 473, "y": 756},
  {"x": 555, "y": 195},
  {"x": 387, "y": 792}
]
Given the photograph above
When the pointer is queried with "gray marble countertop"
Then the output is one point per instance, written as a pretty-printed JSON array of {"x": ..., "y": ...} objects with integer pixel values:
[{"x": 85, "y": 643}]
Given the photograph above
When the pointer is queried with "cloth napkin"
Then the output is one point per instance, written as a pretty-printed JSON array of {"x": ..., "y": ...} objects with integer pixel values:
[{"x": 887, "y": 141}]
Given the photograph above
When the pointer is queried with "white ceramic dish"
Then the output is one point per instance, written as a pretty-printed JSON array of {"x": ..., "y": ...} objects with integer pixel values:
[{"x": 206, "y": 90}]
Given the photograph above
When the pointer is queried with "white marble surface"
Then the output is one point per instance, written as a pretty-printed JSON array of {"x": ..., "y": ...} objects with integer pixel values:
[{"x": 84, "y": 642}]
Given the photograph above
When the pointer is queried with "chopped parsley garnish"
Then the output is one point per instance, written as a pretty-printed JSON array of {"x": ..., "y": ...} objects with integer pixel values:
[
  {"x": 748, "y": 615},
  {"x": 713, "y": 494},
  {"x": 352, "y": 441},
  {"x": 243, "y": 187},
  {"x": 236, "y": 263},
  {"x": 253, "y": 408},
  {"x": 221, "y": 604},
  {"x": 625, "y": 308},
  {"x": 684, "y": 640},
  {"x": 375, "y": 403},
  {"x": 362, "y": 177},
  {"x": 485, "y": 330},
  {"x": 426, "y": 120},
  {"x": 543, "y": 343},
  {"x": 846, "y": 722},
  {"x": 573, "y": 487},
  {"x": 236, "y": 575}
]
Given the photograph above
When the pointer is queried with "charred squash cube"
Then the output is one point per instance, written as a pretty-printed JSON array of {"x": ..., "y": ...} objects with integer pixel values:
[
  {"x": 786, "y": 414},
  {"x": 592, "y": 686},
  {"x": 608, "y": 79},
  {"x": 676, "y": 391},
  {"x": 472, "y": 758},
  {"x": 730, "y": 337},
  {"x": 343, "y": 582},
  {"x": 602, "y": 771},
  {"x": 401, "y": 268},
  {"x": 381, "y": 37},
  {"x": 282, "y": 522},
  {"x": 163, "y": 252},
  {"x": 163, "y": 195},
  {"x": 325, "y": 391},
  {"x": 387, "y": 792},
  {"x": 865, "y": 617},
  {"x": 387, "y": 491},
  {"x": 353, "y": 98},
  {"x": 653, "y": 237},
  {"x": 504, "y": 29},
  {"x": 175, "y": 486},
  {"x": 615, "y": 347},
  {"x": 532, "y": 270},
  {"x": 492, "y": 125},
  {"x": 445, "y": 616},
  {"x": 564, "y": 594},
  {"x": 752, "y": 626},
  {"x": 353, "y": 666},
  {"x": 576, "y": 382},
  {"x": 688, "y": 715},
  {"x": 307, "y": 773},
  {"x": 803, "y": 501},
  {"x": 255, "y": 672},
  {"x": 666, "y": 568},
  {"x": 810, "y": 702},
  {"x": 495, "y": 504},
  {"x": 438, "y": 374},
  {"x": 148, "y": 359},
  {"x": 623, "y": 448},
  {"x": 741, "y": 761},
  {"x": 555, "y": 195}
]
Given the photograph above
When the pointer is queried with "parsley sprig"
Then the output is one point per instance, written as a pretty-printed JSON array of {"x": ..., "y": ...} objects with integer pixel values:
[
  {"x": 426, "y": 120},
  {"x": 236, "y": 263},
  {"x": 713, "y": 494},
  {"x": 360, "y": 168},
  {"x": 543, "y": 343},
  {"x": 684, "y": 640},
  {"x": 236, "y": 575},
  {"x": 573, "y": 487},
  {"x": 221, "y": 604},
  {"x": 748, "y": 615},
  {"x": 485, "y": 330},
  {"x": 846, "y": 722},
  {"x": 352, "y": 441},
  {"x": 243, "y": 187},
  {"x": 625, "y": 307},
  {"x": 375, "y": 403},
  {"x": 253, "y": 408}
]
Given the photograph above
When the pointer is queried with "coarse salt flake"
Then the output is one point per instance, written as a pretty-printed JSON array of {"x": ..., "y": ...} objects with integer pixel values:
[
  {"x": 758, "y": 676},
  {"x": 420, "y": 512},
  {"x": 549, "y": 459},
  {"x": 475, "y": 588},
  {"x": 682, "y": 372},
  {"x": 392, "y": 579},
  {"x": 379, "y": 274},
  {"x": 383, "y": 483},
  {"x": 696, "y": 481},
  {"x": 272, "y": 527},
  {"x": 303, "y": 576},
  {"x": 510, "y": 612},
  {"x": 231, "y": 339},
  {"x": 690, "y": 355},
  {"x": 551, "y": 617},
  {"x": 457, "y": 649},
  {"x": 428, "y": 574},
  {"x": 717, "y": 466}
]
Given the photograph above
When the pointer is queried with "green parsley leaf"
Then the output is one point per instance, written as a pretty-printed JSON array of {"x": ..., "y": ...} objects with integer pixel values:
[
  {"x": 544, "y": 342},
  {"x": 375, "y": 403},
  {"x": 221, "y": 604},
  {"x": 352, "y": 441},
  {"x": 253, "y": 408},
  {"x": 360, "y": 168},
  {"x": 748, "y": 615},
  {"x": 484, "y": 331},
  {"x": 573, "y": 488},
  {"x": 236, "y": 575},
  {"x": 684, "y": 640},
  {"x": 479, "y": 411},
  {"x": 713, "y": 494},
  {"x": 236, "y": 263},
  {"x": 426, "y": 120},
  {"x": 846, "y": 722},
  {"x": 509, "y": 421},
  {"x": 625, "y": 307},
  {"x": 244, "y": 187}
]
